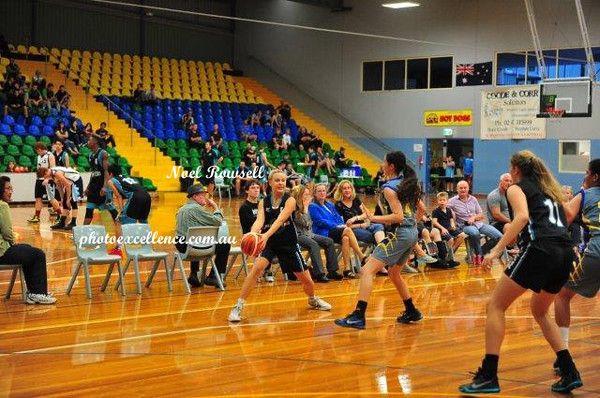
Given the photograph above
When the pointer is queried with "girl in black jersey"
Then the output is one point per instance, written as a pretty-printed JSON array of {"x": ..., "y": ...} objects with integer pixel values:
[
  {"x": 275, "y": 224},
  {"x": 543, "y": 266}
]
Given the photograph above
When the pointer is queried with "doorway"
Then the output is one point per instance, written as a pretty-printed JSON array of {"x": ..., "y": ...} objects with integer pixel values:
[{"x": 437, "y": 150}]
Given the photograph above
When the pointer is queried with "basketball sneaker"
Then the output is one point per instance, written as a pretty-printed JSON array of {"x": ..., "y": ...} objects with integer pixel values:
[
  {"x": 556, "y": 368},
  {"x": 236, "y": 313},
  {"x": 409, "y": 270},
  {"x": 481, "y": 384},
  {"x": 568, "y": 382},
  {"x": 410, "y": 316},
  {"x": 354, "y": 320},
  {"x": 318, "y": 303},
  {"x": 35, "y": 298},
  {"x": 426, "y": 259},
  {"x": 34, "y": 220},
  {"x": 269, "y": 277}
]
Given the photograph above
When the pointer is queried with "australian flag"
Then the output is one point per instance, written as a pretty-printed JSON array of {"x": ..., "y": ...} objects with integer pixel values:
[{"x": 474, "y": 74}]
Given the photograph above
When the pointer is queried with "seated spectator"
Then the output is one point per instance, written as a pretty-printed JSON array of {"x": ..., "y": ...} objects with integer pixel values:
[
  {"x": 12, "y": 69},
  {"x": 138, "y": 94},
  {"x": 63, "y": 97},
  {"x": 32, "y": 259},
  {"x": 469, "y": 217},
  {"x": 316, "y": 140},
  {"x": 340, "y": 160},
  {"x": 76, "y": 134},
  {"x": 150, "y": 95},
  {"x": 328, "y": 222},
  {"x": 242, "y": 177},
  {"x": 60, "y": 132},
  {"x": 443, "y": 219},
  {"x": 352, "y": 211},
  {"x": 255, "y": 118},
  {"x": 277, "y": 140},
  {"x": 194, "y": 138},
  {"x": 276, "y": 120},
  {"x": 303, "y": 135},
  {"x": 38, "y": 79},
  {"x": 311, "y": 160},
  {"x": 287, "y": 139},
  {"x": 215, "y": 136},
  {"x": 449, "y": 168},
  {"x": 432, "y": 238},
  {"x": 325, "y": 161},
  {"x": 285, "y": 110},
  {"x": 200, "y": 211},
  {"x": 88, "y": 131},
  {"x": 15, "y": 102},
  {"x": 35, "y": 101},
  {"x": 104, "y": 136},
  {"x": 249, "y": 154},
  {"x": 247, "y": 134},
  {"x": 314, "y": 243},
  {"x": 187, "y": 120},
  {"x": 497, "y": 205},
  {"x": 50, "y": 97}
]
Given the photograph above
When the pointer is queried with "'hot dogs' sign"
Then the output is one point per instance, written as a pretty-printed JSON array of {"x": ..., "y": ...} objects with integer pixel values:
[{"x": 463, "y": 117}]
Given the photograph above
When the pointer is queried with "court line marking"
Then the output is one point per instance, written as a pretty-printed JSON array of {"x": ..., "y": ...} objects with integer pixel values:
[
  {"x": 243, "y": 325},
  {"x": 64, "y": 260}
]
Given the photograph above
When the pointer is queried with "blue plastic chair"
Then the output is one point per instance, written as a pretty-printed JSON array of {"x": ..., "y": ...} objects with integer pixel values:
[
  {"x": 48, "y": 131},
  {"x": 5, "y": 129},
  {"x": 50, "y": 121},
  {"x": 19, "y": 129},
  {"x": 8, "y": 119},
  {"x": 92, "y": 254},
  {"x": 34, "y": 130},
  {"x": 36, "y": 121},
  {"x": 143, "y": 251}
]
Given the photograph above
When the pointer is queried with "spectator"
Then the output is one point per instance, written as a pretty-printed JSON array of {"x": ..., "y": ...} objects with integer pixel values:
[
  {"x": 35, "y": 101},
  {"x": 443, "y": 219},
  {"x": 187, "y": 120},
  {"x": 76, "y": 133},
  {"x": 200, "y": 211},
  {"x": 194, "y": 138},
  {"x": 324, "y": 161},
  {"x": 138, "y": 94},
  {"x": 104, "y": 136},
  {"x": 352, "y": 211},
  {"x": 303, "y": 135},
  {"x": 328, "y": 222},
  {"x": 32, "y": 259},
  {"x": 314, "y": 243},
  {"x": 15, "y": 102},
  {"x": 277, "y": 140},
  {"x": 285, "y": 110},
  {"x": 242, "y": 177},
  {"x": 340, "y": 160},
  {"x": 250, "y": 154},
  {"x": 216, "y": 138},
  {"x": 449, "y": 167},
  {"x": 63, "y": 98},
  {"x": 497, "y": 206},
  {"x": 379, "y": 178},
  {"x": 12, "y": 69},
  {"x": 88, "y": 131},
  {"x": 38, "y": 79},
  {"x": 469, "y": 217},
  {"x": 60, "y": 133},
  {"x": 247, "y": 134},
  {"x": 209, "y": 157},
  {"x": 51, "y": 97},
  {"x": 287, "y": 139},
  {"x": 468, "y": 168},
  {"x": 311, "y": 160}
]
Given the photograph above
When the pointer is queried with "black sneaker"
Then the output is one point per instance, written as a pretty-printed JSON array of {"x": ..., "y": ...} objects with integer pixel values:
[
  {"x": 321, "y": 279},
  {"x": 410, "y": 316},
  {"x": 58, "y": 225},
  {"x": 69, "y": 227},
  {"x": 481, "y": 384},
  {"x": 335, "y": 276},
  {"x": 568, "y": 382},
  {"x": 194, "y": 281},
  {"x": 349, "y": 274},
  {"x": 352, "y": 321},
  {"x": 556, "y": 368}
]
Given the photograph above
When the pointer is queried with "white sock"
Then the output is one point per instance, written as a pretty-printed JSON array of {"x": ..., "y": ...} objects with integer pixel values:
[
  {"x": 241, "y": 302},
  {"x": 564, "y": 334}
]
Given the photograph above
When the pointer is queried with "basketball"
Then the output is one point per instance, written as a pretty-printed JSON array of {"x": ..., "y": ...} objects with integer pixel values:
[{"x": 252, "y": 244}]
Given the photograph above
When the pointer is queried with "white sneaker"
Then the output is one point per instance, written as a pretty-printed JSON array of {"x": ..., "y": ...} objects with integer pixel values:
[
  {"x": 319, "y": 304},
  {"x": 236, "y": 313},
  {"x": 269, "y": 277},
  {"x": 426, "y": 259},
  {"x": 409, "y": 270},
  {"x": 34, "y": 298}
]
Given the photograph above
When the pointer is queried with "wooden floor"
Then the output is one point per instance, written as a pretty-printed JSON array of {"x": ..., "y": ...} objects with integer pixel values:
[{"x": 175, "y": 344}]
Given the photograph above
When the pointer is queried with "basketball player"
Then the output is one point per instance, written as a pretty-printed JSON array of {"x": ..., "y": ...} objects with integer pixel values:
[
  {"x": 129, "y": 196},
  {"x": 585, "y": 281},
  {"x": 401, "y": 208},
  {"x": 99, "y": 195},
  {"x": 276, "y": 226},
  {"x": 543, "y": 266},
  {"x": 69, "y": 185},
  {"x": 45, "y": 159}
]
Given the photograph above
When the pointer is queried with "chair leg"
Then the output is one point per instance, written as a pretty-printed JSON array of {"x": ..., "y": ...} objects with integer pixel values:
[
  {"x": 88, "y": 284},
  {"x": 107, "y": 278},
  {"x": 153, "y": 272},
  {"x": 74, "y": 277},
  {"x": 23, "y": 284},
  {"x": 217, "y": 275},
  {"x": 11, "y": 283},
  {"x": 136, "y": 272},
  {"x": 230, "y": 265},
  {"x": 186, "y": 285},
  {"x": 168, "y": 274},
  {"x": 121, "y": 278},
  {"x": 203, "y": 272},
  {"x": 118, "y": 284},
  {"x": 243, "y": 267}
]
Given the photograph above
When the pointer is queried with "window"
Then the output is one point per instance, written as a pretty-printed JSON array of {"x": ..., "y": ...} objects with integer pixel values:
[
  {"x": 440, "y": 72},
  {"x": 394, "y": 75},
  {"x": 510, "y": 68},
  {"x": 372, "y": 76},
  {"x": 572, "y": 63},
  {"x": 573, "y": 156},
  {"x": 533, "y": 76},
  {"x": 417, "y": 73}
]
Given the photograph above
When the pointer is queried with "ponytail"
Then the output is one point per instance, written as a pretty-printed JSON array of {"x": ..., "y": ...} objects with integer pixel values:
[{"x": 535, "y": 169}]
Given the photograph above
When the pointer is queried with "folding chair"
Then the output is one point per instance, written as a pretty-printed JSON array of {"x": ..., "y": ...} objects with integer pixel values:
[
  {"x": 92, "y": 253},
  {"x": 16, "y": 269}
]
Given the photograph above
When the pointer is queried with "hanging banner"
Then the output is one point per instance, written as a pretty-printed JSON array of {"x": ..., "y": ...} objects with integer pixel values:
[
  {"x": 510, "y": 113},
  {"x": 463, "y": 117}
]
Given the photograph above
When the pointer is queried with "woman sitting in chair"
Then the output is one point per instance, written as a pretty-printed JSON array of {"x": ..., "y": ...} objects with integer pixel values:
[{"x": 32, "y": 259}]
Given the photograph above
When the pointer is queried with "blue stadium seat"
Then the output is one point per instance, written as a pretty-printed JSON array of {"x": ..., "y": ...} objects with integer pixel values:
[
  {"x": 8, "y": 119},
  {"x": 48, "y": 131},
  {"x": 19, "y": 129},
  {"x": 36, "y": 121},
  {"x": 34, "y": 130},
  {"x": 5, "y": 129}
]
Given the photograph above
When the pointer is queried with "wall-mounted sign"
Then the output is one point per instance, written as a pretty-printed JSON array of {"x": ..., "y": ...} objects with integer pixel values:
[
  {"x": 417, "y": 147},
  {"x": 463, "y": 117},
  {"x": 447, "y": 132}
]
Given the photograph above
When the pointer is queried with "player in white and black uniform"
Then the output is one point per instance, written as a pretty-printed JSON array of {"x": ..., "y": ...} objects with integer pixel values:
[
  {"x": 44, "y": 159},
  {"x": 69, "y": 186},
  {"x": 130, "y": 196},
  {"x": 543, "y": 266},
  {"x": 276, "y": 226}
]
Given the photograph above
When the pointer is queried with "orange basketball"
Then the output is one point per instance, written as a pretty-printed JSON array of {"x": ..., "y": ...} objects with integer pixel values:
[{"x": 252, "y": 244}]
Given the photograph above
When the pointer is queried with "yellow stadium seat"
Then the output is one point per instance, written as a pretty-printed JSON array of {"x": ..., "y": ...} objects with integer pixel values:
[
  {"x": 126, "y": 57},
  {"x": 33, "y": 50},
  {"x": 44, "y": 50},
  {"x": 21, "y": 49},
  {"x": 55, "y": 51},
  {"x": 96, "y": 55},
  {"x": 86, "y": 55},
  {"x": 76, "y": 54},
  {"x": 226, "y": 66},
  {"x": 136, "y": 58},
  {"x": 206, "y": 97},
  {"x": 117, "y": 57}
]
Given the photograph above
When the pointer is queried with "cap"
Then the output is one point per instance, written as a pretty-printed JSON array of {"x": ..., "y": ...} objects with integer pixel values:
[{"x": 194, "y": 189}]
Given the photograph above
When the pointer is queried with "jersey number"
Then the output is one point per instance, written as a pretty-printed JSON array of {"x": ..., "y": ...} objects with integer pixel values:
[{"x": 553, "y": 214}]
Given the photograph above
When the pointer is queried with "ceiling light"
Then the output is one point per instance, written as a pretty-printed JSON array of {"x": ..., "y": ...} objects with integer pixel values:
[{"x": 402, "y": 4}]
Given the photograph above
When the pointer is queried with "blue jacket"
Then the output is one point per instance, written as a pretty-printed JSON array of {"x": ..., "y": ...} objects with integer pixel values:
[{"x": 324, "y": 218}]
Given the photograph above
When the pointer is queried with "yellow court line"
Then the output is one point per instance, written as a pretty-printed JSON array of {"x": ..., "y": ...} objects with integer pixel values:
[
  {"x": 64, "y": 260},
  {"x": 228, "y": 306},
  {"x": 244, "y": 325}
]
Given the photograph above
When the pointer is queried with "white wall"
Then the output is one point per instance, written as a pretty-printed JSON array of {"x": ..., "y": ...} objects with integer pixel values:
[{"x": 328, "y": 66}]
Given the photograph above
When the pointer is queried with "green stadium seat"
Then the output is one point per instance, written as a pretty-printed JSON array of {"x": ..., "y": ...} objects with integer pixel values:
[
  {"x": 16, "y": 140},
  {"x": 27, "y": 150},
  {"x": 193, "y": 152},
  {"x": 183, "y": 152},
  {"x": 171, "y": 143},
  {"x": 111, "y": 151},
  {"x": 83, "y": 163},
  {"x": 24, "y": 161},
  {"x": 184, "y": 162},
  {"x": 3, "y": 140},
  {"x": 46, "y": 141},
  {"x": 12, "y": 150},
  {"x": 182, "y": 144},
  {"x": 227, "y": 164},
  {"x": 160, "y": 144},
  {"x": 148, "y": 185},
  {"x": 194, "y": 163},
  {"x": 7, "y": 159},
  {"x": 30, "y": 140},
  {"x": 172, "y": 153}
]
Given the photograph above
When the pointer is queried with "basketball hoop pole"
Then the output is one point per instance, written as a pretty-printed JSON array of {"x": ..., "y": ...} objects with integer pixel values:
[
  {"x": 586, "y": 40},
  {"x": 539, "y": 55}
]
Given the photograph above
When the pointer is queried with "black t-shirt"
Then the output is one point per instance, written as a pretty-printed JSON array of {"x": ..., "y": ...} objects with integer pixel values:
[
  {"x": 60, "y": 95},
  {"x": 35, "y": 95},
  {"x": 349, "y": 212},
  {"x": 247, "y": 213},
  {"x": 209, "y": 158},
  {"x": 286, "y": 234},
  {"x": 547, "y": 219},
  {"x": 14, "y": 98},
  {"x": 194, "y": 134},
  {"x": 102, "y": 132},
  {"x": 216, "y": 136},
  {"x": 443, "y": 217}
]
